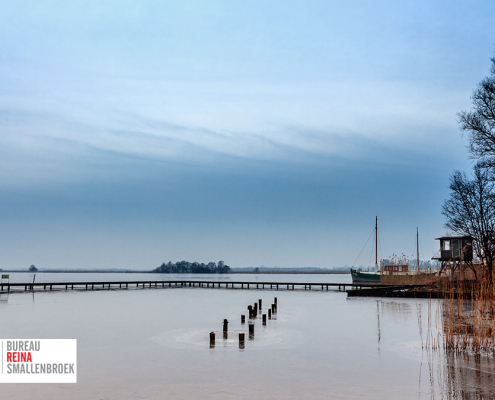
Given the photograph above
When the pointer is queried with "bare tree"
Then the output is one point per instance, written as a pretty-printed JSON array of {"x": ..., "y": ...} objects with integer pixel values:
[
  {"x": 480, "y": 122},
  {"x": 470, "y": 210}
]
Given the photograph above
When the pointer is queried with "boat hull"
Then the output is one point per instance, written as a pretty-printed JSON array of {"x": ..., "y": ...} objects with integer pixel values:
[{"x": 365, "y": 277}]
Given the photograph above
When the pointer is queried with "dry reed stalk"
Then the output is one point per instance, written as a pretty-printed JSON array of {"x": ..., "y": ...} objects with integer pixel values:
[
  {"x": 467, "y": 314},
  {"x": 416, "y": 279}
]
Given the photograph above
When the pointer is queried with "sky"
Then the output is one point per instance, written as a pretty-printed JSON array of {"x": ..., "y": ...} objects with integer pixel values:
[{"x": 258, "y": 133}]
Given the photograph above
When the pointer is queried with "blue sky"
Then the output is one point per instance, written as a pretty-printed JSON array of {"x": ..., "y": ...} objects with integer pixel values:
[{"x": 260, "y": 133}]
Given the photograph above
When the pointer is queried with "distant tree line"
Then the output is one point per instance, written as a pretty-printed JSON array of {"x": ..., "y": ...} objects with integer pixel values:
[{"x": 185, "y": 267}]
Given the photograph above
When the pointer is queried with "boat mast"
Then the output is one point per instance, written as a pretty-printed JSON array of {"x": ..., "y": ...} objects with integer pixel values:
[
  {"x": 376, "y": 244},
  {"x": 417, "y": 250}
]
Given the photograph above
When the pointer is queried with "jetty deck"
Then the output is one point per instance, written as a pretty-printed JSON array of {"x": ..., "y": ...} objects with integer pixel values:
[
  {"x": 403, "y": 291},
  {"x": 127, "y": 285}
]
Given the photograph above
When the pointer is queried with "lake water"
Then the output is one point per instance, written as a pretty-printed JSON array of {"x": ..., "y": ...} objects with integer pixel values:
[{"x": 154, "y": 343}]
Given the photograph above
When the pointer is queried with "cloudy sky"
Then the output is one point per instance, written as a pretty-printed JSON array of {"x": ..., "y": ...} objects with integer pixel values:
[{"x": 256, "y": 132}]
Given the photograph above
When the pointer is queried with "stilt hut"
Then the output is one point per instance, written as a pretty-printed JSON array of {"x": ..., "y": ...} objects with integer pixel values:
[{"x": 456, "y": 254}]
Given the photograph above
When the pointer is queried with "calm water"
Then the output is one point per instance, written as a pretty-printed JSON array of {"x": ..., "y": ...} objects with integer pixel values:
[
  {"x": 106, "y": 277},
  {"x": 153, "y": 343}
]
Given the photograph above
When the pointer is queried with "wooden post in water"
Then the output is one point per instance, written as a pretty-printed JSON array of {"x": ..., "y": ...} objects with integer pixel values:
[
  {"x": 264, "y": 319},
  {"x": 273, "y": 308},
  {"x": 212, "y": 340},
  {"x": 225, "y": 326},
  {"x": 243, "y": 319},
  {"x": 260, "y": 302},
  {"x": 241, "y": 340},
  {"x": 269, "y": 314},
  {"x": 251, "y": 331}
]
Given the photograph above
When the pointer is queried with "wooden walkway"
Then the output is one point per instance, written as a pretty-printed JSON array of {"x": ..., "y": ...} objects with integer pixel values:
[
  {"x": 404, "y": 291},
  {"x": 126, "y": 285}
]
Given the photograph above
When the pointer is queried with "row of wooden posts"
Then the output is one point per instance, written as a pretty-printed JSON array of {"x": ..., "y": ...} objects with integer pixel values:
[{"x": 253, "y": 314}]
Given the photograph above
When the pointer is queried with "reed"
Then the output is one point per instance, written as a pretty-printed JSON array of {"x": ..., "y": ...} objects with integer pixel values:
[
  {"x": 421, "y": 278},
  {"x": 466, "y": 316}
]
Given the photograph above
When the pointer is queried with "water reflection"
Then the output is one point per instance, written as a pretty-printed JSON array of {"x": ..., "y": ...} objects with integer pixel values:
[
  {"x": 4, "y": 298},
  {"x": 460, "y": 376},
  {"x": 396, "y": 312},
  {"x": 378, "y": 324},
  {"x": 399, "y": 311},
  {"x": 450, "y": 375}
]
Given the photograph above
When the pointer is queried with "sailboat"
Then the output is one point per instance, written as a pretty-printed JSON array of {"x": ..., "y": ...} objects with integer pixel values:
[
  {"x": 368, "y": 276},
  {"x": 377, "y": 275}
]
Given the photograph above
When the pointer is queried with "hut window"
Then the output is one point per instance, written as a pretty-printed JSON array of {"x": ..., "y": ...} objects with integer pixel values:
[{"x": 446, "y": 244}]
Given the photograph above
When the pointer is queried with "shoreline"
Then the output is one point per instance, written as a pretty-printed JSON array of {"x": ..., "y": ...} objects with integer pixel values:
[
  {"x": 291, "y": 272},
  {"x": 68, "y": 271}
]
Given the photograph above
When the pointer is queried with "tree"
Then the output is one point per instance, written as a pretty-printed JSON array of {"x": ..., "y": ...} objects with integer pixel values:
[
  {"x": 470, "y": 210},
  {"x": 185, "y": 267},
  {"x": 480, "y": 122},
  {"x": 223, "y": 268},
  {"x": 212, "y": 267},
  {"x": 32, "y": 268}
]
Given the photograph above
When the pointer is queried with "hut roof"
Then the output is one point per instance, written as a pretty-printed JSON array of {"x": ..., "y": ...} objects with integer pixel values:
[{"x": 454, "y": 237}]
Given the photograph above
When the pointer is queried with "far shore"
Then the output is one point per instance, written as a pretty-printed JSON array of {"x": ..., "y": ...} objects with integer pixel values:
[
  {"x": 66, "y": 271},
  {"x": 290, "y": 272}
]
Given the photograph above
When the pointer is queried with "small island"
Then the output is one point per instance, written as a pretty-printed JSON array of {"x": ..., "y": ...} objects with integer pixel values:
[{"x": 185, "y": 267}]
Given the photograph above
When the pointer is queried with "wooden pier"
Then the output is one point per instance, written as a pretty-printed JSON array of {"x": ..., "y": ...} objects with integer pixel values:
[{"x": 126, "y": 285}]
